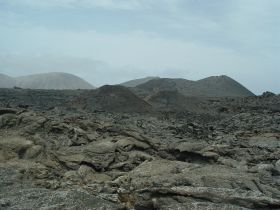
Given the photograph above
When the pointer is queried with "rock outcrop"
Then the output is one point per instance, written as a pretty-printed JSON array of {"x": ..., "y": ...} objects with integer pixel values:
[{"x": 224, "y": 157}]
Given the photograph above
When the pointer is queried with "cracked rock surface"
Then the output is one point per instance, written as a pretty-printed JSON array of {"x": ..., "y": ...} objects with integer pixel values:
[{"x": 226, "y": 155}]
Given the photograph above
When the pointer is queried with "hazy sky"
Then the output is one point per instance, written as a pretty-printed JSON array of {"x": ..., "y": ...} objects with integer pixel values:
[{"x": 110, "y": 41}]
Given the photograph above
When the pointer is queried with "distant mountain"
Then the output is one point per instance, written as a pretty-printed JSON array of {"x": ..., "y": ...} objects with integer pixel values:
[
  {"x": 135, "y": 82},
  {"x": 6, "y": 81},
  {"x": 215, "y": 86},
  {"x": 54, "y": 80},
  {"x": 112, "y": 98}
]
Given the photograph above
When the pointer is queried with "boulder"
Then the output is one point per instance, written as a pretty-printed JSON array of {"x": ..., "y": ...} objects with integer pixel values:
[
  {"x": 8, "y": 120},
  {"x": 14, "y": 147},
  {"x": 277, "y": 166},
  {"x": 243, "y": 198},
  {"x": 97, "y": 155},
  {"x": 86, "y": 173},
  {"x": 128, "y": 143},
  {"x": 7, "y": 111},
  {"x": 268, "y": 140},
  {"x": 190, "y": 147},
  {"x": 33, "y": 151},
  {"x": 31, "y": 122}
]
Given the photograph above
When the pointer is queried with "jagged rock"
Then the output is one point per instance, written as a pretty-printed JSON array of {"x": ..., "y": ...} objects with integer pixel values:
[
  {"x": 248, "y": 199},
  {"x": 33, "y": 151},
  {"x": 8, "y": 111},
  {"x": 78, "y": 137},
  {"x": 59, "y": 157},
  {"x": 190, "y": 147},
  {"x": 210, "y": 155},
  {"x": 86, "y": 173},
  {"x": 14, "y": 147},
  {"x": 184, "y": 203},
  {"x": 31, "y": 122},
  {"x": 8, "y": 120},
  {"x": 100, "y": 178},
  {"x": 267, "y": 94},
  {"x": 70, "y": 159},
  {"x": 241, "y": 165},
  {"x": 140, "y": 155},
  {"x": 264, "y": 167},
  {"x": 72, "y": 176},
  {"x": 277, "y": 166},
  {"x": 128, "y": 143},
  {"x": 98, "y": 155},
  {"x": 268, "y": 140}
]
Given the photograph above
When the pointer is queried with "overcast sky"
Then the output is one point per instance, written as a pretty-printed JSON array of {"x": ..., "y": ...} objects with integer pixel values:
[{"x": 111, "y": 41}]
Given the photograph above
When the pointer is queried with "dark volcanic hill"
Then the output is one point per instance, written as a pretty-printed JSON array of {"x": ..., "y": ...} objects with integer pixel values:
[
  {"x": 6, "y": 81},
  {"x": 215, "y": 86},
  {"x": 135, "y": 82},
  {"x": 173, "y": 100},
  {"x": 221, "y": 86},
  {"x": 112, "y": 98},
  {"x": 56, "y": 80}
]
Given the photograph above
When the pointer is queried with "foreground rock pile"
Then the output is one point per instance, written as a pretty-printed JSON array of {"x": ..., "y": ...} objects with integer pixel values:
[{"x": 228, "y": 158}]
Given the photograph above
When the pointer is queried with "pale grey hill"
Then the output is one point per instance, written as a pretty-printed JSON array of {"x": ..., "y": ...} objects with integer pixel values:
[
  {"x": 6, "y": 81},
  {"x": 55, "y": 80},
  {"x": 215, "y": 86},
  {"x": 135, "y": 82}
]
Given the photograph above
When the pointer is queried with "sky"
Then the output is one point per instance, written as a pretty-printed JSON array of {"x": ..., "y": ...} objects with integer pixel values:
[{"x": 112, "y": 41}]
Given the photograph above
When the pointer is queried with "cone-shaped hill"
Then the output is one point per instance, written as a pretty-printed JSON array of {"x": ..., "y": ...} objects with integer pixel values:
[{"x": 112, "y": 98}]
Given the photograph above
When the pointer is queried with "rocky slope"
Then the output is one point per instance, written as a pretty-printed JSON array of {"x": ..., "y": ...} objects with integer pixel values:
[
  {"x": 226, "y": 157},
  {"x": 216, "y": 86},
  {"x": 37, "y": 99},
  {"x": 136, "y": 82}
]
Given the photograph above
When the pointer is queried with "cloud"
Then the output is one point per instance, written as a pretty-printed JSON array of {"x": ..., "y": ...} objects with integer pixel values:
[
  {"x": 135, "y": 38},
  {"x": 105, "y": 4},
  {"x": 245, "y": 25},
  {"x": 113, "y": 58},
  {"x": 140, "y": 49}
]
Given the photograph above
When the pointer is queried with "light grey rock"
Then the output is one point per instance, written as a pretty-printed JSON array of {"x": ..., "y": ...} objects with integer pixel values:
[
  {"x": 14, "y": 147},
  {"x": 269, "y": 140},
  {"x": 248, "y": 199},
  {"x": 33, "y": 151},
  {"x": 8, "y": 120},
  {"x": 277, "y": 165}
]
